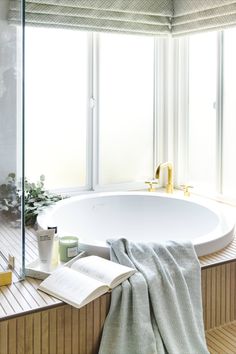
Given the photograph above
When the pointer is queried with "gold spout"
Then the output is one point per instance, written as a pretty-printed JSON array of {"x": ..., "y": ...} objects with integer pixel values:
[{"x": 169, "y": 186}]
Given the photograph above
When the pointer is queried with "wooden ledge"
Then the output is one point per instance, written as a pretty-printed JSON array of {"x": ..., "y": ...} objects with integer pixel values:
[
  {"x": 23, "y": 297},
  {"x": 227, "y": 254}
]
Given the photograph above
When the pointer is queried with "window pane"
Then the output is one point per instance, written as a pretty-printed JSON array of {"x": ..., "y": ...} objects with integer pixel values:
[
  {"x": 202, "y": 112},
  {"x": 229, "y": 128},
  {"x": 56, "y": 106},
  {"x": 126, "y": 78}
]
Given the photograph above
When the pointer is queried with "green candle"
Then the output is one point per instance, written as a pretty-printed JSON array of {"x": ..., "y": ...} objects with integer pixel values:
[{"x": 68, "y": 248}]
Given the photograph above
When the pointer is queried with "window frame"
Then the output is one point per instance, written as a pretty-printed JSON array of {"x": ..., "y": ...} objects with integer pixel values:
[
  {"x": 96, "y": 184},
  {"x": 170, "y": 115},
  {"x": 92, "y": 146},
  {"x": 181, "y": 141}
]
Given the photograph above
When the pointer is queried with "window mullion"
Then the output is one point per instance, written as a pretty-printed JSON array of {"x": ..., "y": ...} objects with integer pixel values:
[
  {"x": 159, "y": 100},
  {"x": 181, "y": 147},
  {"x": 219, "y": 114},
  {"x": 155, "y": 107},
  {"x": 89, "y": 163},
  {"x": 95, "y": 116}
]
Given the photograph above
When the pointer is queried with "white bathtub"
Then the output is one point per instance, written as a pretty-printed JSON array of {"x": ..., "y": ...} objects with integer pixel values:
[{"x": 141, "y": 216}]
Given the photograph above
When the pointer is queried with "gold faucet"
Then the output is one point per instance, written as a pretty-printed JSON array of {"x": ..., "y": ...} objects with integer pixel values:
[
  {"x": 185, "y": 188},
  {"x": 151, "y": 187},
  {"x": 169, "y": 186}
]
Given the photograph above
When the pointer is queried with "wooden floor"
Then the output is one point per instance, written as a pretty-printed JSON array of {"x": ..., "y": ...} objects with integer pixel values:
[{"x": 222, "y": 340}]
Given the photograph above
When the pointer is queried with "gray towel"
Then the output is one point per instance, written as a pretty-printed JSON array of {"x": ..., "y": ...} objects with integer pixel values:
[{"x": 159, "y": 309}]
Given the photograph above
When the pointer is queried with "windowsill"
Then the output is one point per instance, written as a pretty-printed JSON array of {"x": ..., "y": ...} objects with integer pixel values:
[
  {"x": 216, "y": 197},
  {"x": 141, "y": 187}
]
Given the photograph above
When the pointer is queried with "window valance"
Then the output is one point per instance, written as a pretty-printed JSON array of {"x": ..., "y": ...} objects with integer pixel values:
[
  {"x": 131, "y": 16},
  {"x": 151, "y": 17},
  {"x": 200, "y": 15}
]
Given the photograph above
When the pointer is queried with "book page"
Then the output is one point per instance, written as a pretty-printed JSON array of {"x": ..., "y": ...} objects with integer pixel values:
[
  {"x": 103, "y": 270},
  {"x": 77, "y": 289}
]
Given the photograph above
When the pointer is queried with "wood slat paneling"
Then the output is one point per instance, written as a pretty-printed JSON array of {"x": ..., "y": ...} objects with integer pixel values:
[
  {"x": 62, "y": 330},
  {"x": 40, "y": 332},
  {"x": 65, "y": 330},
  {"x": 219, "y": 295}
]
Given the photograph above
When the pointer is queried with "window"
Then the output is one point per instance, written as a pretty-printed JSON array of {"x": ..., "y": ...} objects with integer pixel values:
[
  {"x": 126, "y": 86},
  {"x": 229, "y": 114},
  {"x": 89, "y": 108},
  {"x": 57, "y": 96},
  {"x": 211, "y": 107},
  {"x": 202, "y": 122},
  {"x": 91, "y": 102}
]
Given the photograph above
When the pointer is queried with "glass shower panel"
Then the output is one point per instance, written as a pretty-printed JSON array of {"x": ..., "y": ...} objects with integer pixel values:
[{"x": 11, "y": 117}]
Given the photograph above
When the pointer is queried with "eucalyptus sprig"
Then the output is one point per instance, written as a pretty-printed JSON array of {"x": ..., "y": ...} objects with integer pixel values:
[{"x": 36, "y": 199}]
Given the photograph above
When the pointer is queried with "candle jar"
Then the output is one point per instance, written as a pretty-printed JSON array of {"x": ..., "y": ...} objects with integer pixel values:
[{"x": 68, "y": 248}]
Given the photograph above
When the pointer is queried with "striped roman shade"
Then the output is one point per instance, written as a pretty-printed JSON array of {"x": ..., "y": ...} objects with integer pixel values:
[
  {"x": 201, "y": 15},
  {"x": 129, "y": 16},
  {"x": 151, "y": 17}
]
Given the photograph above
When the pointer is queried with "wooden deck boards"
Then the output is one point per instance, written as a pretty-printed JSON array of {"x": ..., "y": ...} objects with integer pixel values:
[
  {"x": 22, "y": 297},
  {"x": 11, "y": 243},
  {"x": 226, "y": 254},
  {"x": 222, "y": 340},
  {"x": 32, "y": 307}
]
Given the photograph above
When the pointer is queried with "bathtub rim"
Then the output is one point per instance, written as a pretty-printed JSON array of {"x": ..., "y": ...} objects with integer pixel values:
[{"x": 212, "y": 242}]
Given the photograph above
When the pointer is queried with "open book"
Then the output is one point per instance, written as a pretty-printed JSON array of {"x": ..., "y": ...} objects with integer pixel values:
[{"x": 86, "y": 279}]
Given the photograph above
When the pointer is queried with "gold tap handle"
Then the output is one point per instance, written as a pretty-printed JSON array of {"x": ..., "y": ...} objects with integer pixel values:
[
  {"x": 150, "y": 183},
  {"x": 185, "y": 188}
]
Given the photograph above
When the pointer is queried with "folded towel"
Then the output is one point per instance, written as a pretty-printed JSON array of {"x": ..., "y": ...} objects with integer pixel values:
[{"x": 159, "y": 309}]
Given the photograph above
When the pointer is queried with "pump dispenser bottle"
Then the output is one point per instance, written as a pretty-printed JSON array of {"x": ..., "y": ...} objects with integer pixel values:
[{"x": 55, "y": 250}]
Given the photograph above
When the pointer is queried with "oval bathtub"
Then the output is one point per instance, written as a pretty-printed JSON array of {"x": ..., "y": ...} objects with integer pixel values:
[{"x": 141, "y": 217}]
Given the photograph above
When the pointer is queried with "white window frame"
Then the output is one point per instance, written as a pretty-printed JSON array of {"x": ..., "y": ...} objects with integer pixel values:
[
  {"x": 90, "y": 131},
  {"x": 181, "y": 106},
  {"x": 181, "y": 120},
  {"x": 170, "y": 115},
  {"x": 96, "y": 185},
  {"x": 159, "y": 124}
]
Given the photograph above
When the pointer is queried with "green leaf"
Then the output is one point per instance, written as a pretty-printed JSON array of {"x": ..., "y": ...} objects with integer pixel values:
[{"x": 36, "y": 198}]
